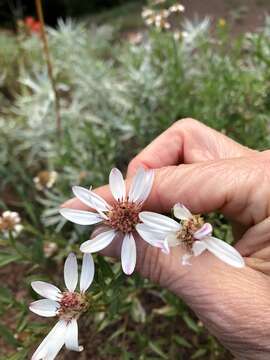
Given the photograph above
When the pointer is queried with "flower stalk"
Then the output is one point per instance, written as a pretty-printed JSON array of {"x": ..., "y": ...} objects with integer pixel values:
[{"x": 49, "y": 64}]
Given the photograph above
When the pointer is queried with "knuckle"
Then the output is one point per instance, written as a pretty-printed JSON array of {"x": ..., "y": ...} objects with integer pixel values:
[
  {"x": 187, "y": 122},
  {"x": 133, "y": 164}
]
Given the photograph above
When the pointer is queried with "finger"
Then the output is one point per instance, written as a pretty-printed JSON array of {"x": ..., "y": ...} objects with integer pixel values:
[
  {"x": 256, "y": 238},
  {"x": 230, "y": 186},
  {"x": 187, "y": 141},
  {"x": 260, "y": 265}
]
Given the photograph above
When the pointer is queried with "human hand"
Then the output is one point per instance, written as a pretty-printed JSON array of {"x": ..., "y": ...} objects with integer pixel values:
[{"x": 207, "y": 171}]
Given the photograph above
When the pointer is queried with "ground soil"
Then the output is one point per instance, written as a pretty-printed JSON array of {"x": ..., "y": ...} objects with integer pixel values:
[{"x": 241, "y": 15}]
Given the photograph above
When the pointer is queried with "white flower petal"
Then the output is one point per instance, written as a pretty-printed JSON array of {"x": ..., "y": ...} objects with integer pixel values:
[
  {"x": 205, "y": 230},
  {"x": 44, "y": 307},
  {"x": 141, "y": 185},
  {"x": 46, "y": 290},
  {"x": 71, "y": 272},
  {"x": 87, "y": 273},
  {"x": 172, "y": 240},
  {"x": 186, "y": 259},
  {"x": 81, "y": 217},
  {"x": 117, "y": 184},
  {"x": 136, "y": 185},
  {"x": 165, "y": 247},
  {"x": 101, "y": 241},
  {"x": 52, "y": 343},
  {"x": 90, "y": 199},
  {"x": 181, "y": 212},
  {"x": 159, "y": 222},
  {"x": 146, "y": 186},
  {"x": 224, "y": 252},
  {"x": 152, "y": 237},
  {"x": 198, "y": 247},
  {"x": 128, "y": 254},
  {"x": 71, "y": 336}
]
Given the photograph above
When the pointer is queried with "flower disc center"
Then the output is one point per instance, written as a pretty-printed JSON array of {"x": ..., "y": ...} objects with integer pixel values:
[
  {"x": 189, "y": 227},
  {"x": 124, "y": 216},
  {"x": 72, "y": 304}
]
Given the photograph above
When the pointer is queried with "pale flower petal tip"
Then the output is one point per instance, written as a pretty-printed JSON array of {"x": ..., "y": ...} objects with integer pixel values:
[
  {"x": 204, "y": 231},
  {"x": 224, "y": 252},
  {"x": 128, "y": 254},
  {"x": 186, "y": 260},
  {"x": 181, "y": 212},
  {"x": 165, "y": 247},
  {"x": 117, "y": 184},
  {"x": 71, "y": 272}
]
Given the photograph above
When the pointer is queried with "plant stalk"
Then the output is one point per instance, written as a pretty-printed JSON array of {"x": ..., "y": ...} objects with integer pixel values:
[{"x": 49, "y": 64}]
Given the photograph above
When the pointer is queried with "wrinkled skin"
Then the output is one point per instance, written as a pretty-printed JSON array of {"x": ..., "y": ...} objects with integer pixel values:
[{"x": 207, "y": 171}]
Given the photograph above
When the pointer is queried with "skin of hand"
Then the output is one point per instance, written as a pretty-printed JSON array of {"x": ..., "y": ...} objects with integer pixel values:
[{"x": 207, "y": 171}]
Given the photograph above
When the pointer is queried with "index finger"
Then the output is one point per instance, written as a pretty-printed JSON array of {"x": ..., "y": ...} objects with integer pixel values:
[{"x": 187, "y": 141}]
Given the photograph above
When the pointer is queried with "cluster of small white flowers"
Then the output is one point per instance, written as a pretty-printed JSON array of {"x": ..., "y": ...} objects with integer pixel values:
[
  {"x": 160, "y": 18},
  {"x": 10, "y": 222},
  {"x": 123, "y": 221}
]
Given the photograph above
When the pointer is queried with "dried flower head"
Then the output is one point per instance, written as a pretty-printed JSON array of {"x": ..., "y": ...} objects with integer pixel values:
[
  {"x": 192, "y": 234},
  {"x": 134, "y": 38},
  {"x": 67, "y": 305},
  {"x": 45, "y": 179},
  {"x": 49, "y": 248},
  {"x": 119, "y": 219},
  {"x": 10, "y": 221}
]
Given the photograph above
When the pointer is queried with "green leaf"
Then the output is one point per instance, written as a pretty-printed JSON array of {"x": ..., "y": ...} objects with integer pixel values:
[
  {"x": 137, "y": 311},
  {"x": 5, "y": 295},
  {"x": 199, "y": 353},
  {"x": 21, "y": 355},
  {"x": 191, "y": 324},
  {"x": 154, "y": 347},
  {"x": 7, "y": 335},
  {"x": 182, "y": 341},
  {"x": 6, "y": 258}
]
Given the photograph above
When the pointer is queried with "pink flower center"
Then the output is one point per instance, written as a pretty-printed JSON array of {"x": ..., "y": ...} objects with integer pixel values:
[
  {"x": 72, "y": 304},
  {"x": 124, "y": 216}
]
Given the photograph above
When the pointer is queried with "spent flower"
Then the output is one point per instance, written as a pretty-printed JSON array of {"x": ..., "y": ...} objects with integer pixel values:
[
  {"x": 10, "y": 222},
  {"x": 119, "y": 218},
  {"x": 192, "y": 234},
  {"x": 67, "y": 305},
  {"x": 45, "y": 179}
]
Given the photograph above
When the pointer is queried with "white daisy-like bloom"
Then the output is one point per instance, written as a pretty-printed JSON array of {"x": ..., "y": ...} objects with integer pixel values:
[
  {"x": 120, "y": 218},
  {"x": 191, "y": 233},
  {"x": 10, "y": 221},
  {"x": 67, "y": 305}
]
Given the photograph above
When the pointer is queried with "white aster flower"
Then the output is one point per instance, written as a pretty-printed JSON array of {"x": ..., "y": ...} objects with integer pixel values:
[
  {"x": 10, "y": 221},
  {"x": 67, "y": 305},
  {"x": 192, "y": 234},
  {"x": 119, "y": 218}
]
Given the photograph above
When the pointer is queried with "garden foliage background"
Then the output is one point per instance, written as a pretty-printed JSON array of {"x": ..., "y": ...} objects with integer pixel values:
[{"x": 117, "y": 92}]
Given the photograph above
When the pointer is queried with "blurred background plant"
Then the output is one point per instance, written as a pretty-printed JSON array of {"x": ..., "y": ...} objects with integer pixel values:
[{"x": 120, "y": 84}]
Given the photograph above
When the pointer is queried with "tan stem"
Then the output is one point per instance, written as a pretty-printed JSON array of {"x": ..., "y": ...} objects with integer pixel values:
[{"x": 49, "y": 63}]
